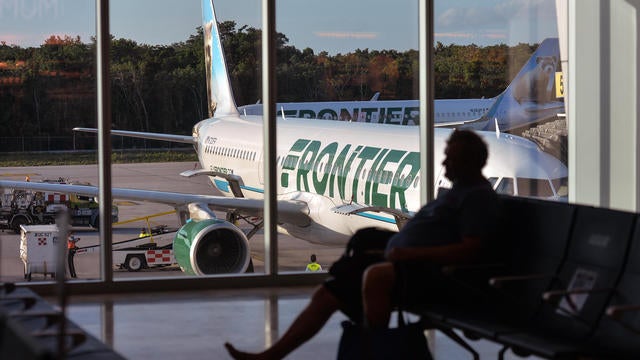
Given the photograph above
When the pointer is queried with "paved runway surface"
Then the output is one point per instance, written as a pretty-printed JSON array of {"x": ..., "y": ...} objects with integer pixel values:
[
  {"x": 189, "y": 324},
  {"x": 293, "y": 253}
]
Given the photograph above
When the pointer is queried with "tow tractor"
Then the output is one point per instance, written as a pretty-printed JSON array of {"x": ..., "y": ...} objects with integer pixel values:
[{"x": 153, "y": 249}]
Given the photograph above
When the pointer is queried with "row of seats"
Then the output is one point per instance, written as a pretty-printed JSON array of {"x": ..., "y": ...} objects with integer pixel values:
[
  {"x": 32, "y": 329},
  {"x": 568, "y": 286}
]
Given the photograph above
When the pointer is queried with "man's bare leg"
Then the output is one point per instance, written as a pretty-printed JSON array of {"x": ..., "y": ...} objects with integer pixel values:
[
  {"x": 377, "y": 285},
  {"x": 322, "y": 305}
]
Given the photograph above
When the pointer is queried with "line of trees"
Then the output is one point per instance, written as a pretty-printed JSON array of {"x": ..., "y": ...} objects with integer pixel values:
[{"x": 51, "y": 89}]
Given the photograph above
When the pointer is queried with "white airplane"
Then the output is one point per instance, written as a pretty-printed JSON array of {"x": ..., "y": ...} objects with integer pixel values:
[
  {"x": 333, "y": 177},
  {"x": 529, "y": 98},
  {"x": 397, "y": 112}
]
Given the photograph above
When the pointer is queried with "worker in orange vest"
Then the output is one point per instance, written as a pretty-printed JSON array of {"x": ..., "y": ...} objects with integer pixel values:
[{"x": 72, "y": 248}]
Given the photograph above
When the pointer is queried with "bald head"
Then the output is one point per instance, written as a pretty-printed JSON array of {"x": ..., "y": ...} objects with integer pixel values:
[{"x": 466, "y": 154}]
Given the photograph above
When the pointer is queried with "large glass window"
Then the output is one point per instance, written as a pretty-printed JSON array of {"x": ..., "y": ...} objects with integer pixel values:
[
  {"x": 47, "y": 86},
  {"x": 356, "y": 70},
  {"x": 497, "y": 70},
  {"x": 352, "y": 74}
]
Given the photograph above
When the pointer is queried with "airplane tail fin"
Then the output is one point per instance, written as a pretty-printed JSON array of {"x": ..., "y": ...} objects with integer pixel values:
[
  {"x": 536, "y": 80},
  {"x": 531, "y": 96},
  {"x": 219, "y": 93}
]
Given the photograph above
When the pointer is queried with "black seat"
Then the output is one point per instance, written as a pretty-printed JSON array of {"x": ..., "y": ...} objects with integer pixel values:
[
  {"x": 30, "y": 328},
  {"x": 618, "y": 334},
  {"x": 597, "y": 251},
  {"x": 17, "y": 343},
  {"x": 536, "y": 239}
]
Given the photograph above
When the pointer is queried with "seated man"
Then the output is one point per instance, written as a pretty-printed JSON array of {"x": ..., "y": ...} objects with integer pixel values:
[{"x": 455, "y": 228}]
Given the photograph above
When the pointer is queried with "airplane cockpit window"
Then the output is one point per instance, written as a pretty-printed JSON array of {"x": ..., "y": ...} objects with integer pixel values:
[
  {"x": 534, "y": 187},
  {"x": 562, "y": 186},
  {"x": 505, "y": 186},
  {"x": 493, "y": 181}
]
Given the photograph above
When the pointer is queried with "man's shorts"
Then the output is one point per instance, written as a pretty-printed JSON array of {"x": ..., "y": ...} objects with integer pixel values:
[
  {"x": 346, "y": 282},
  {"x": 417, "y": 283},
  {"x": 422, "y": 282}
]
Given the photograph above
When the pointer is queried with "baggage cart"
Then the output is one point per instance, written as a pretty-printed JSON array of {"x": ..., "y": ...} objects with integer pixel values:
[{"x": 38, "y": 249}]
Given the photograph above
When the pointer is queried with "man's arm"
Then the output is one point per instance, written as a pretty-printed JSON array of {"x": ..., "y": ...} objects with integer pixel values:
[{"x": 461, "y": 252}]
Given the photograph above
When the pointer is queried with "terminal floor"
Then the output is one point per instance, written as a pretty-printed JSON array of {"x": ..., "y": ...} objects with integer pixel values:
[{"x": 196, "y": 324}]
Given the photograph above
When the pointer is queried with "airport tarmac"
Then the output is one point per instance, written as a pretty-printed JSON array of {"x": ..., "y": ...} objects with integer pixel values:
[
  {"x": 293, "y": 253},
  {"x": 135, "y": 325}
]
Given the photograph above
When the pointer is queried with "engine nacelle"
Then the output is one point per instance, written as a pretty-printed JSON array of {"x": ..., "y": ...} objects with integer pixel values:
[{"x": 211, "y": 246}]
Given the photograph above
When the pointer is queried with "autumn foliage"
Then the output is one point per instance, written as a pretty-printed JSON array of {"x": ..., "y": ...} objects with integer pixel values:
[{"x": 52, "y": 88}]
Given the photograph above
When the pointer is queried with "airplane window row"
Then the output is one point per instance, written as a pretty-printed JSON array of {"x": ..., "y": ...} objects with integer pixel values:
[
  {"x": 467, "y": 114},
  {"x": 231, "y": 152}
]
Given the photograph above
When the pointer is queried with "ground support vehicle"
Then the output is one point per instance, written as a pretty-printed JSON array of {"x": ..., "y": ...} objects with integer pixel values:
[
  {"x": 26, "y": 207},
  {"x": 140, "y": 253},
  {"x": 135, "y": 259}
]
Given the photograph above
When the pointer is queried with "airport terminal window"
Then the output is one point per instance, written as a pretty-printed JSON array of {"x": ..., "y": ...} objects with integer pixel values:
[{"x": 477, "y": 66}]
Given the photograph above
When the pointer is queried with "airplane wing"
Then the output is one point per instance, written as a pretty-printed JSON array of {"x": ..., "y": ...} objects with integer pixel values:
[
  {"x": 145, "y": 135},
  {"x": 447, "y": 124},
  {"x": 289, "y": 211}
]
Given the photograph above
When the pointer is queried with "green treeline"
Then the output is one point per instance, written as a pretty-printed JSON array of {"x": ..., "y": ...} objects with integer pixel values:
[{"x": 51, "y": 89}]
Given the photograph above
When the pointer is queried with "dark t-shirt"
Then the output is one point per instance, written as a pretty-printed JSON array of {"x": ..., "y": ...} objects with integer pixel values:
[{"x": 464, "y": 210}]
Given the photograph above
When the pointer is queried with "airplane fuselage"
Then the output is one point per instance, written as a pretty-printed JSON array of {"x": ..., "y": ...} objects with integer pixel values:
[
  {"x": 396, "y": 112},
  {"x": 332, "y": 164}
]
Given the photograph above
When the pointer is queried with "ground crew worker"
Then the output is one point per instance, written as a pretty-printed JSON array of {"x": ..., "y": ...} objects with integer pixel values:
[
  {"x": 143, "y": 233},
  {"x": 72, "y": 247},
  {"x": 313, "y": 266}
]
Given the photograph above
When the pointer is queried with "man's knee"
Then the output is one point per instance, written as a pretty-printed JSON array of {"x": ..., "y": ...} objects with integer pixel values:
[
  {"x": 379, "y": 277},
  {"x": 323, "y": 296}
]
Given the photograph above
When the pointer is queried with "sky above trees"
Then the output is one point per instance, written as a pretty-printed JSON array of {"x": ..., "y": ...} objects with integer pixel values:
[{"x": 334, "y": 26}]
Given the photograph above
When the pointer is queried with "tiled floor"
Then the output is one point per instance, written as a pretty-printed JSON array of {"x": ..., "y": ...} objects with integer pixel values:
[{"x": 195, "y": 325}]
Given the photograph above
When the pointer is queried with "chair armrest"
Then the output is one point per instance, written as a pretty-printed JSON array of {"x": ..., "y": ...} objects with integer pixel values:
[
  {"x": 452, "y": 269},
  {"x": 27, "y": 301},
  {"x": 566, "y": 294},
  {"x": 550, "y": 295},
  {"x": 52, "y": 317},
  {"x": 617, "y": 310},
  {"x": 77, "y": 336},
  {"x": 498, "y": 281},
  {"x": 8, "y": 287}
]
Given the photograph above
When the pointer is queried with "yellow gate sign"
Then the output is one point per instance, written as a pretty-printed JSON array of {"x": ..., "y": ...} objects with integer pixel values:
[{"x": 559, "y": 85}]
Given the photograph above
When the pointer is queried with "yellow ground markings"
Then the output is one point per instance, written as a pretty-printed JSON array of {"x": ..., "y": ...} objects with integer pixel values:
[
  {"x": 126, "y": 203},
  {"x": 19, "y": 174},
  {"x": 146, "y": 218}
]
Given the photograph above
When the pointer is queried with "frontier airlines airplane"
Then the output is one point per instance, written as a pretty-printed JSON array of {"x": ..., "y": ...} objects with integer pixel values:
[
  {"x": 530, "y": 98},
  {"x": 333, "y": 177}
]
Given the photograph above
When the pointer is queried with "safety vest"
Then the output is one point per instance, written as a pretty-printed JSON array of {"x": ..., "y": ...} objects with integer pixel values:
[{"x": 313, "y": 267}]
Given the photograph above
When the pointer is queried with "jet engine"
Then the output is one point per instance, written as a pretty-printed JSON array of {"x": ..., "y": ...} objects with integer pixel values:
[{"x": 211, "y": 246}]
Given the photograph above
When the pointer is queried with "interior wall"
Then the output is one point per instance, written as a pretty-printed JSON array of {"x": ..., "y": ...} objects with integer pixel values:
[{"x": 602, "y": 103}]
